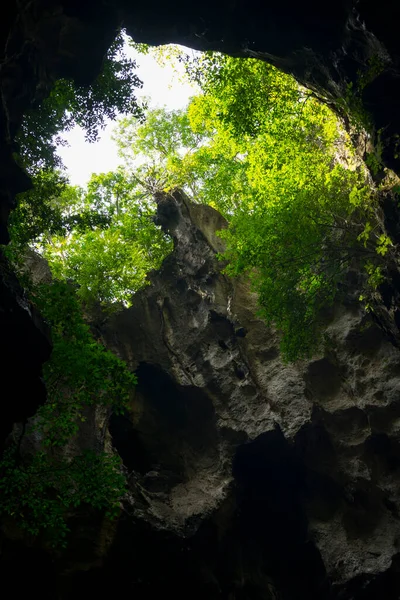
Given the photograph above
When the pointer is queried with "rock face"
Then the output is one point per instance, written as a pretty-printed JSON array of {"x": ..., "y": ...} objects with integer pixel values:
[{"x": 248, "y": 478}]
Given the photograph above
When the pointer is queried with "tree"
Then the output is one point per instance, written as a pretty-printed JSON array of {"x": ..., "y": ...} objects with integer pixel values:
[
  {"x": 39, "y": 209},
  {"x": 279, "y": 166},
  {"x": 111, "y": 243},
  {"x": 81, "y": 372},
  {"x": 306, "y": 213},
  {"x": 89, "y": 107},
  {"x": 41, "y": 492}
]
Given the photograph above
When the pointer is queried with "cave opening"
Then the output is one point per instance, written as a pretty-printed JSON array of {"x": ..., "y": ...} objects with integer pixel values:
[{"x": 103, "y": 241}]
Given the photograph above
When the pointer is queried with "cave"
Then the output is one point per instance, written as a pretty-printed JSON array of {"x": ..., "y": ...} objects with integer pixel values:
[{"x": 263, "y": 481}]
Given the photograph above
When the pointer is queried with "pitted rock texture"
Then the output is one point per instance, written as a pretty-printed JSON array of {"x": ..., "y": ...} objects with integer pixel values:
[{"x": 303, "y": 459}]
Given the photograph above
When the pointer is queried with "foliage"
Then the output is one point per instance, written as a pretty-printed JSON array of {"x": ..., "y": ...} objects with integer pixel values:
[
  {"x": 303, "y": 212},
  {"x": 111, "y": 243},
  {"x": 38, "y": 209},
  {"x": 38, "y": 490},
  {"x": 296, "y": 252},
  {"x": 153, "y": 151},
  {"x": 256, "y": 146},
  {"x": 80, "y": 373},
  {"x": 265, "y": 153},
  {"x": 39, "y": 493},
  {"x": 69, "y": 105},
  {"x": 252, "y": 96},
  {"x": 102, "y": 240}
]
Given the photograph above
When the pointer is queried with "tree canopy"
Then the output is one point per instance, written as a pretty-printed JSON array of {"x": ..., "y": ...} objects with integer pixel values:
[
  {"x": 269, "y": 156},
  {"x": 111, "y": 242},
  {"x": 112, "y": 93},
  {"x": 280, "y": 167}
]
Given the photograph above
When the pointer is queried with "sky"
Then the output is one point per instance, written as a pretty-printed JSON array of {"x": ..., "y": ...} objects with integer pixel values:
[{"x": 163, "y": 88}]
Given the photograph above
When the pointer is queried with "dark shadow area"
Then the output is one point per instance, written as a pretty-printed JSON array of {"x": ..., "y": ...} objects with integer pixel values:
[
  {"x": 175, "y": 431},
  {"x": 26, "y": 572},
  {"x": 272, "y": 485},
  {"x": 127, "y": 442},
  {"x": 255, "y": 547}
]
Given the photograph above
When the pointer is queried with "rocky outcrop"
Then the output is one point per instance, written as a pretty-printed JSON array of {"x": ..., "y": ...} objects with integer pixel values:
[{"x": 249, "y": 478}]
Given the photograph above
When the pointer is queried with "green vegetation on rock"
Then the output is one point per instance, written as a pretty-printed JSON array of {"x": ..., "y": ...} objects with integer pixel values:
[
  {"x": 44, "y": 475},
  {"x": 253, "y": 144},
  {"x": 39, "y": 488},
  {"x": 280, "y": 167}
]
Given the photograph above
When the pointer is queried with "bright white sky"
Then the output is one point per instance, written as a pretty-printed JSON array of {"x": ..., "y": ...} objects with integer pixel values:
[{"x": 161, "y": 86}]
